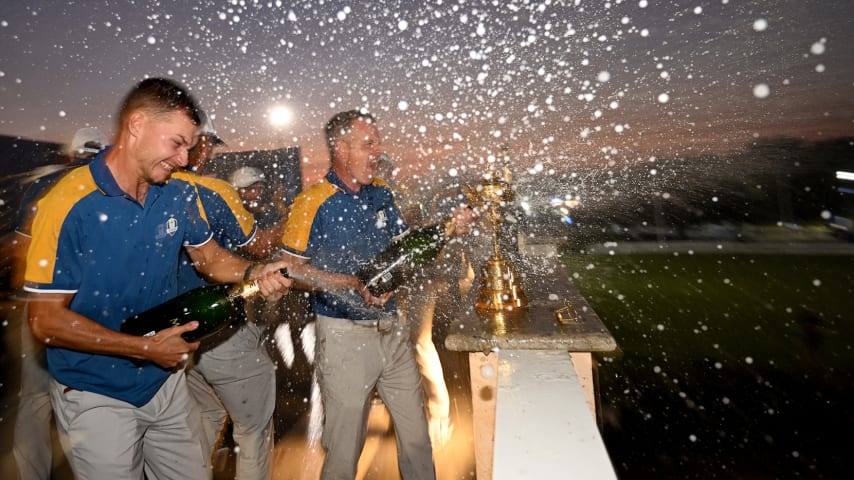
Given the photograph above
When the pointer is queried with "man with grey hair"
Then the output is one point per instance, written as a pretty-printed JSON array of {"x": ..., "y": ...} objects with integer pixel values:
[{"x": 362, "y": 342}]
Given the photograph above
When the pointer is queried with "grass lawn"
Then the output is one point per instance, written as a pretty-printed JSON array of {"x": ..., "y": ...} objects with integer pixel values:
[{"x": 730, "y": 366}]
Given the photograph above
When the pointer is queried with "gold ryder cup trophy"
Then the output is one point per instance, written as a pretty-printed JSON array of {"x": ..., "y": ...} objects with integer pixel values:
[{"x": 499, "y": 292}]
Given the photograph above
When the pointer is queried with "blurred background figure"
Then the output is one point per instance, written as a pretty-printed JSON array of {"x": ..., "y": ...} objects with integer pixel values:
[
  {"x": 85, "y": 144},
  {"x": 252, "y": 187},
  {"x": 205, "y": 146},
  {"x": 250, "y": 183},
  {"x": 32, "y": 445},
  {"x": 231, "y": 379},
  {"x": 254, "y": 190},
  {"x": 292, "y": 313}
]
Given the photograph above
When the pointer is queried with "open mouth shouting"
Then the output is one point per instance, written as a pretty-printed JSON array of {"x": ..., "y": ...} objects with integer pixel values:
[{"x": 167, "y": 166}]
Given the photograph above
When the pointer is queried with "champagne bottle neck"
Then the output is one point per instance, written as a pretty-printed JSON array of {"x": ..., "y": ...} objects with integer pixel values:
[
  {"x": 247, "y": 289},
  {"x": 449, "y": 227},
  {"x": 244, "y": 290}
]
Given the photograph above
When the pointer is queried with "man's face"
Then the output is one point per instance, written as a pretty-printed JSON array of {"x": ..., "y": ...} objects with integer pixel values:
[
  {"x": 253, "y": 196},
  {"x": 201, "y": 153},
  {"x": 357, "y": 154},
  {"x": 162, "y": 144}
]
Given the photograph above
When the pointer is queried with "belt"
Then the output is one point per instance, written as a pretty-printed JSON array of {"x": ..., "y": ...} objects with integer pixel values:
[
  {"x": 383, "y": 325},
  {"x": 366, "y": 323}
]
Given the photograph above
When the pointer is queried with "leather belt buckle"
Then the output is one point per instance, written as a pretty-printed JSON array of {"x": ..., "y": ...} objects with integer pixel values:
[{"x": 385, "y": 323}]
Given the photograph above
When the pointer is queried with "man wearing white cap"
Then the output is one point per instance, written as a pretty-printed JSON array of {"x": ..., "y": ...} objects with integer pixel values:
[
  {"x": 32, "y": 441},
  {"x": 252, "y": 185},
  {"x": 232, "y": 375},
  {"x": 86, "y": 143},
  {"x": 245, "y": 177},
  {"x": 204, "y": 148}
]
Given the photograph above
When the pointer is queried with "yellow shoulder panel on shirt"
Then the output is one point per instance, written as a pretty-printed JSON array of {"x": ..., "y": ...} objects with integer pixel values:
[
  {"x": 226, "y": 191},
  {"x": 381, "y": 182},
  {"x": 301, "y": 217},
  {"x": 52, "y": 210},
  {"x": 185, "y": 176}
]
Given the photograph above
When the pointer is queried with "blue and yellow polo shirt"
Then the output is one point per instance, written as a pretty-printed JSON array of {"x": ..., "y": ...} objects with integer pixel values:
[
  {"x": 35, "y": 191},
  {"x": 117, "y": 258},
  {"x": 221, "y": 206},
  {"x": 338, "y": 230}
]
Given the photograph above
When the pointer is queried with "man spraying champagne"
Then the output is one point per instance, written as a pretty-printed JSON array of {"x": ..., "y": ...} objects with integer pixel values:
[{"x": 334, "y": 227}]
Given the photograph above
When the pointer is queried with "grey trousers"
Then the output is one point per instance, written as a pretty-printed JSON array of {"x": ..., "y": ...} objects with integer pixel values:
[
  {"x": 108, "y": 438},
  {"x": 237, "y": 378},
  {"x": 351, "y": 360},
  {"x": 32, "y": 443}
]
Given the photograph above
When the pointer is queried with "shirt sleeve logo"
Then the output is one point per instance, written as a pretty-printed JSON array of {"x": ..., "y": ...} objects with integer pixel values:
[
  {"x": 381, "y": 219},
  {"x": 169, "y": 228}
]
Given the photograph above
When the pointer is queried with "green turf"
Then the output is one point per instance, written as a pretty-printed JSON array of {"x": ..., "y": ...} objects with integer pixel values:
[
  {"x": 753, "y": 308},
  {"x": 728, "y": 366}
]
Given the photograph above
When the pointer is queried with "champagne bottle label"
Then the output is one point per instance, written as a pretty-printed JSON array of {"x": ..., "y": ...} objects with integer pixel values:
[{"x": 172, "y": 323}]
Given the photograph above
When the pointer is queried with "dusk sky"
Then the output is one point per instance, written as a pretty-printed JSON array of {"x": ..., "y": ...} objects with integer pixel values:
[{"x": 450, "y": 81}]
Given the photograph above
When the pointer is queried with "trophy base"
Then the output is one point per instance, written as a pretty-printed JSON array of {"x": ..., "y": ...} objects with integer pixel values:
[{"x": 499, "y": 288}]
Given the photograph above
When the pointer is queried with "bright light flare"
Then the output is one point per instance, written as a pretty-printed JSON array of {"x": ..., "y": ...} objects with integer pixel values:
[
  {"x": 567, "y": 202},
  {"x": 562, "y": 207},
  {"x": 280, "y": 115}
]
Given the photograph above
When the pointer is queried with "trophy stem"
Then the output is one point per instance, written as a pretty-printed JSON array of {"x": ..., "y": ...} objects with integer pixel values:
[
  {"x": 496, "y": 245},
  {"x": 500, "y": 289}
]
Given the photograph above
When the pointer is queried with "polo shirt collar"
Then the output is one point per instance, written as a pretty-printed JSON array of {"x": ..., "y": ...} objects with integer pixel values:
[
  {"x": 335, "y": 180},
  {"x": 105, "y": 180},
  {"x": 103, "y": 176}
]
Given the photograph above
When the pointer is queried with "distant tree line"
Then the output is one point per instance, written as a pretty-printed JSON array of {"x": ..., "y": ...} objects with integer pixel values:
[{"x": 772, "y": 181}]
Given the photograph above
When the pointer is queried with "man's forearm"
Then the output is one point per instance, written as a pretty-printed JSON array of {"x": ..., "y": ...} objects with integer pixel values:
[
  {"x": 54, "y": 324},
  {"x": 308, "y": 277},
  {"x": 218, "y": 264}
]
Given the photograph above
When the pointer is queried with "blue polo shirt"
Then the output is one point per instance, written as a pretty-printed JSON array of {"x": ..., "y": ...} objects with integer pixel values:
[
  {"x": 35, "y": 191},
  {"x": 231, "y": 224},
  {"x": 338, "y": 230},
  {"x": 117, "y": 258}
]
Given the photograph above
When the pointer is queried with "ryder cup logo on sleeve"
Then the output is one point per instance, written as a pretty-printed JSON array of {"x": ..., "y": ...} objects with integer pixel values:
[
  {"x": 381, "y": 219},
  {"x": 169, "y": 228}
]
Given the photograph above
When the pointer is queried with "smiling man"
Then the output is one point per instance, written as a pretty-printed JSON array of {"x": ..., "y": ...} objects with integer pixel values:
[{"x": 105, "y": 246}]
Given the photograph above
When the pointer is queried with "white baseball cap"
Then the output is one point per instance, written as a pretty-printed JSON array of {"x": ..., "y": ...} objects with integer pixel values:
[
  {"x": 207, "y": 129},
  {"x": 245, "y": 176},
  {"x": 86, "y": 140}
]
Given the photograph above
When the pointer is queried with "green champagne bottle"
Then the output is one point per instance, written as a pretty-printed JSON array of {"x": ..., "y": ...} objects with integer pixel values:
[
  {"x": 213, "y": 306},
  {"x": 391, "y": 267}
]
